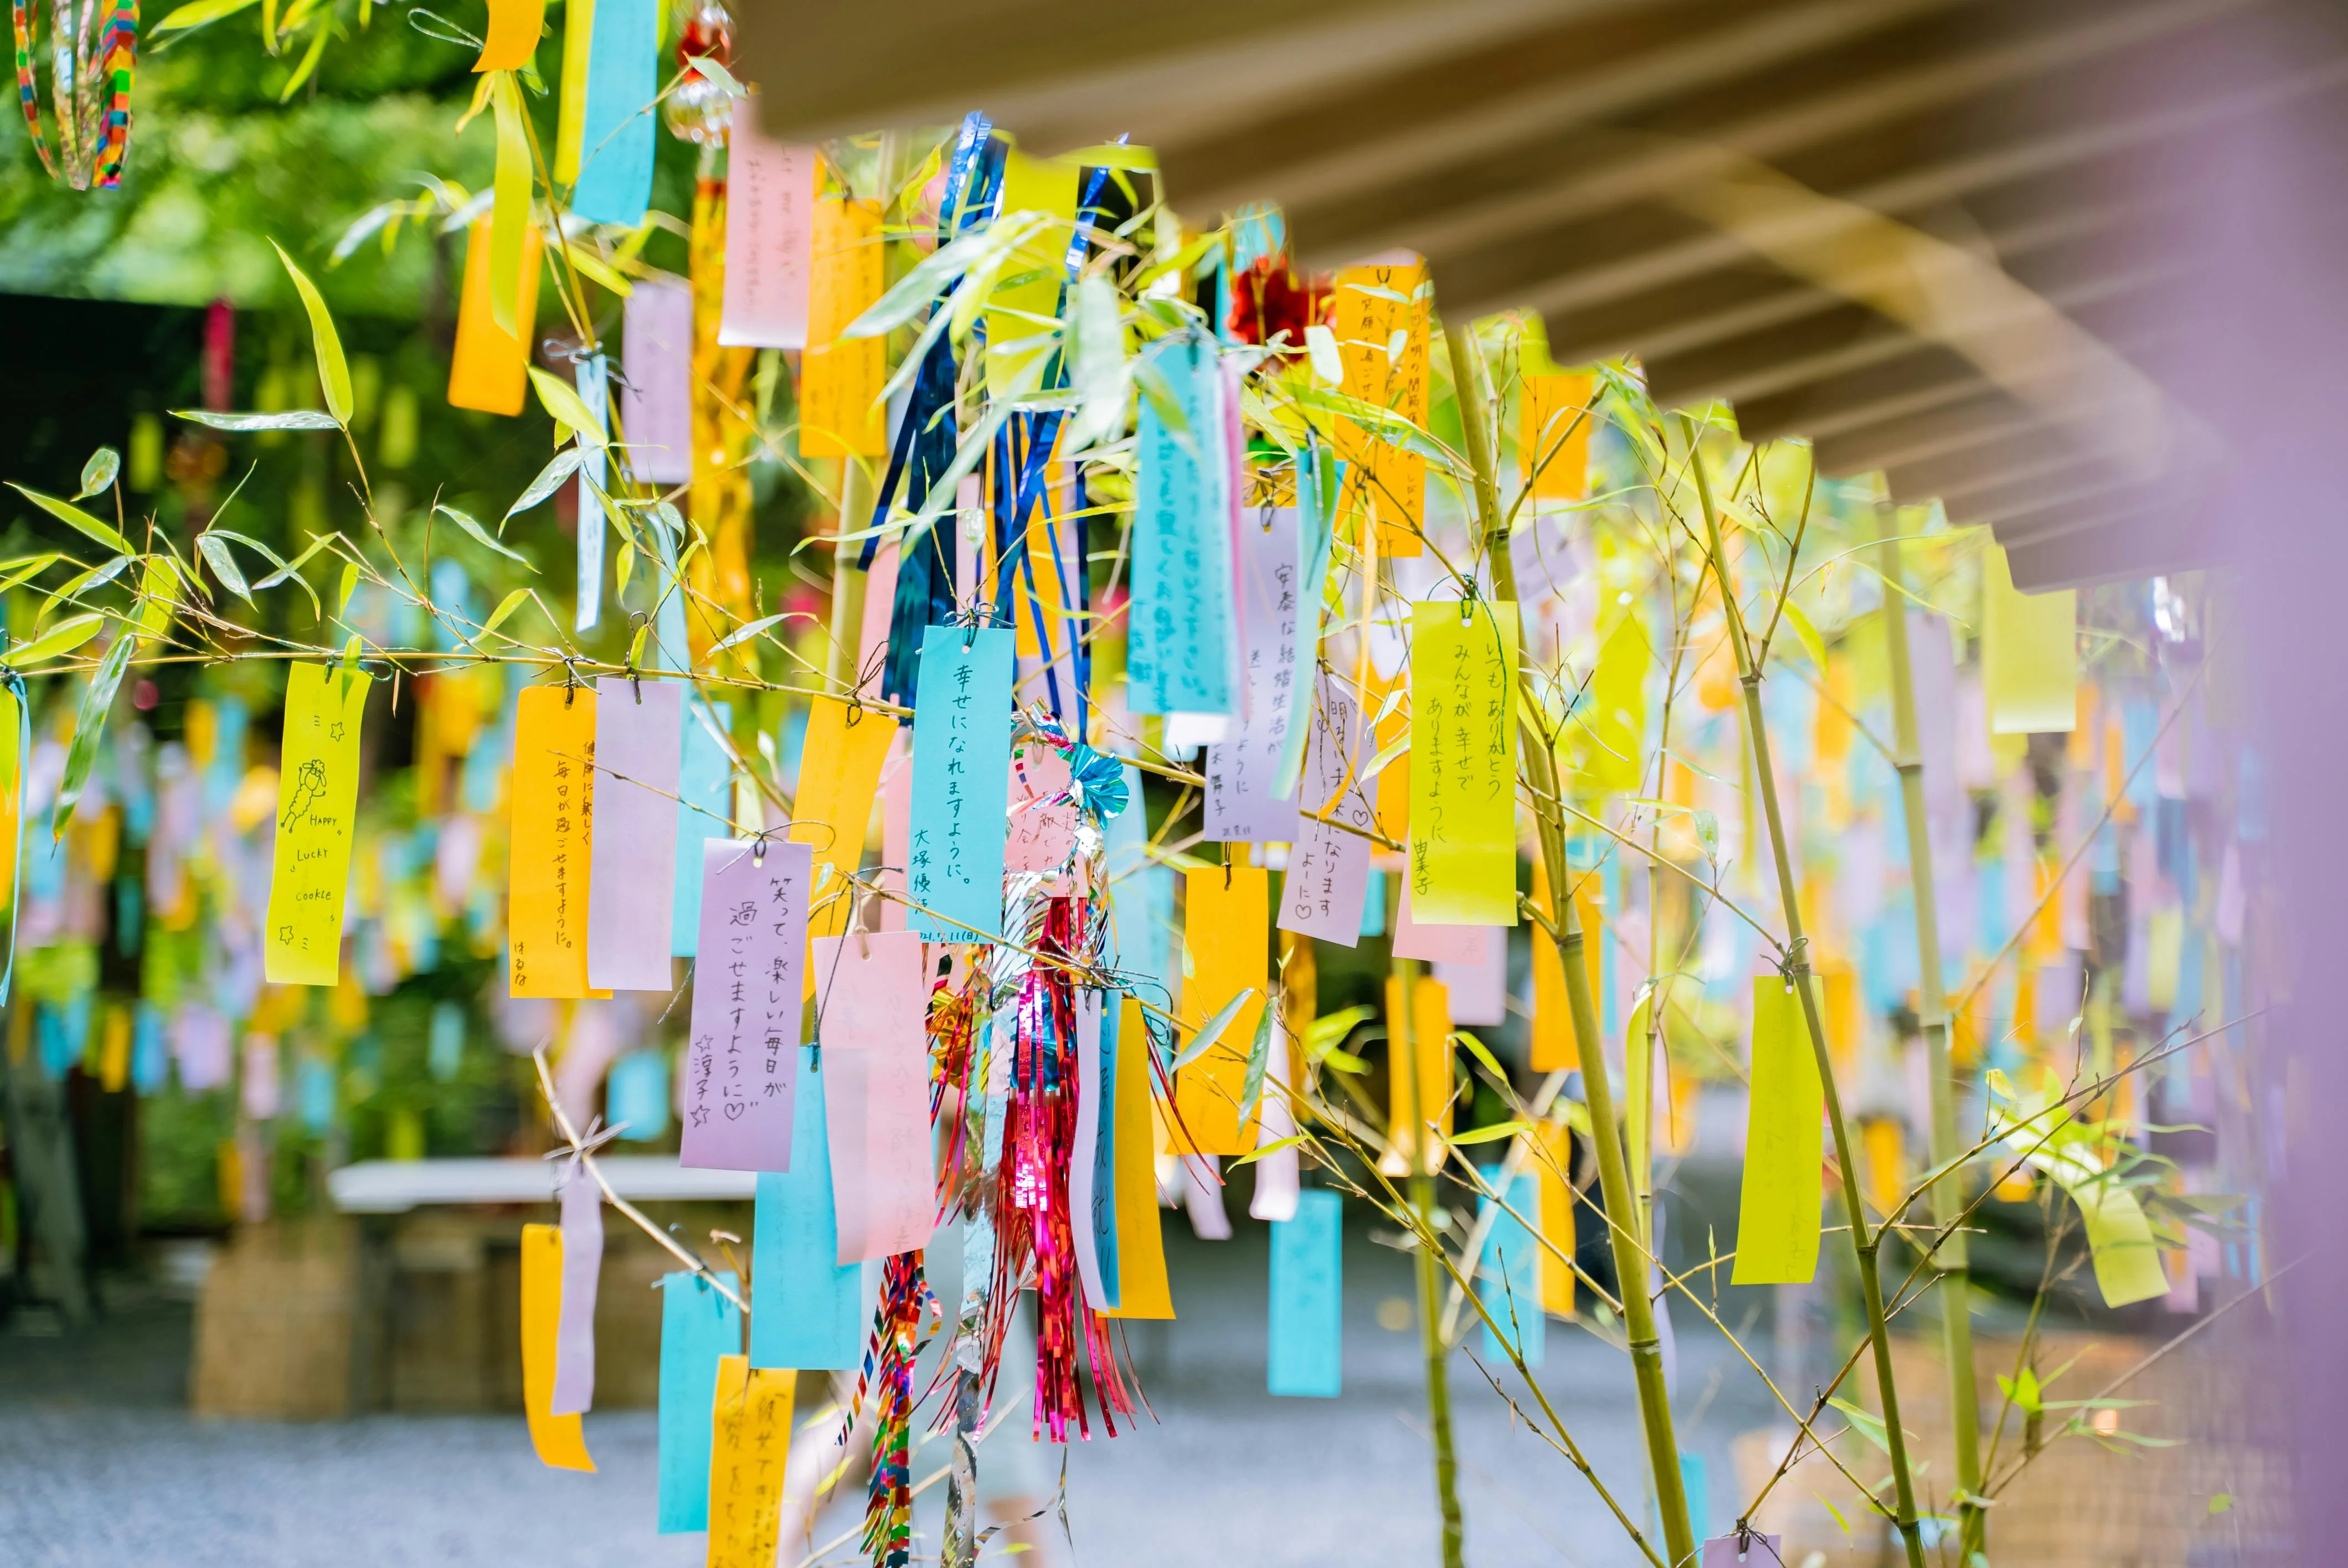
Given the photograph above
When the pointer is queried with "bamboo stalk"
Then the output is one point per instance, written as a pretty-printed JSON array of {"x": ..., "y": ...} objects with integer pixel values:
[
  {"x": 1946, "y": 1195},
  {"x": 1402, "y": 1059},
  {"x": 1539, "y": 763},
  {"x": 1864, "y": 1242}
]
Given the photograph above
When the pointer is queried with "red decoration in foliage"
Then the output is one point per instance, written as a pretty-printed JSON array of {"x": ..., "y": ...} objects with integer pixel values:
[{"x": 1269, "y": 299}]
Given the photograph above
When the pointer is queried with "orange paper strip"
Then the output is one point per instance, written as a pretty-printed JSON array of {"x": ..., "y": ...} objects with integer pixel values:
[
  {"x": 1224, "y": 929},
  {"x": 515, "y": 27},
  {"x": 490, "y": 368},
  {"x": 840, "y": 379},
  {"x": 560, "y": 1442},
  {"x": 553, "y": 796}
]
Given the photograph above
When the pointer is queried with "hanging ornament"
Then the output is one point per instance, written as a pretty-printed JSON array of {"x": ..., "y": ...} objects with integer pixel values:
[
  {"x": 89, "y": 83},
  {"x": 700, "y": 111}
]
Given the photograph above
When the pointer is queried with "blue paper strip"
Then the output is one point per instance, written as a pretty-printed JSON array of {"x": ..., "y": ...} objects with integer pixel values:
[
  {"x": 1509, "y": 1274},
  {"x": 1307, "y": 1291},
  {"x": 637, "y": 1095},
  {"x": 961, "y": 780},
  {"x": 1185, "y": 619},
  {"x": 704, "y": 779},
  {"x": 698, "y": 1324},
  {"x": 616, "y": 143},
  {"x": 806, "y": 1309}
]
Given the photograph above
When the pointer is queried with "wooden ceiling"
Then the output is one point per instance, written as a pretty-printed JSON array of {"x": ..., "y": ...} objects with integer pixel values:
[{"x": 1940, "y": 238}]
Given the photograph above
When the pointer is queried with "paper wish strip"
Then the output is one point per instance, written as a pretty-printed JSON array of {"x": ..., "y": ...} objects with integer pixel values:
[
  {"x": 699, "y": 1329},
  {"x": 750, "y": 1447},
  {"x": 769, "y": 197},
  {"x": 1185, "y": 622},
  {"x": 639, "y": 745},
  {"x": 809, "y": 1313},
  {"x": 1777, "y": 1209},
  {"x": 961, "y": 762},
  {"x": 1248, "y": 799},
  {"x": 616, "y": 113},
  {"x": 553, "y": 793},
  {"x": 1328, "y": 867},
  {"x": 657, "y": 400},
  {"x": 1226, "y": 914},
  {"x": 317, "y": 810},
  {"x": 741, "y": 1061},
  {"x": 1092, "y": 1163},
  {"x": 870, "y": 1013},
  {"x": 1463, "y": 775},
  {"x": 560, "y": 1442}
]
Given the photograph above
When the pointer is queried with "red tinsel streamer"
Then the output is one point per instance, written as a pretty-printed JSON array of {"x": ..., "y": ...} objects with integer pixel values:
[{"x": 1032, "y": 1227}]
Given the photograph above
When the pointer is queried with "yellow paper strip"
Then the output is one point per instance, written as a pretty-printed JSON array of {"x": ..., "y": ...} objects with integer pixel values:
[
  {"x": 553, "y": 801},
  {"x": 1381, "y": 323},
  {"x": 317, "y": 811},
  {"x": 1021, "y": 310},
  {"x": 749, "y": 1449},
  {"x": 840, "y": 379},
  {"x": 490, "y": 370},
  {"x": 509, "y": 206},
  {"x": 1227, "y": 914},
  {"x": 560, "y": 1442},
  {"x": 1463, "y": 777},
  {"x": 570, "y": 129},
  {"x": 1141, "y": 1249},
  {"x": 1420, "y": 1098},
  {"x": 1554, "y": 1161},
  {"x": 840, "y": 781},
  {"x": 514, "y": 29},
  {"x": 1784, "y": 1145},
  {"x": 2030, "y": 656},
  {"x": 1612, "y": 720}
]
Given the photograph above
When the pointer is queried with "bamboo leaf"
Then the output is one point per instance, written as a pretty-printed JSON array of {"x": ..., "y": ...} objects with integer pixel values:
[
  {"x": 350, "y": 586},
  {"x": 82, "y": 582},
  {"x": 1492, "y": 1134},
  {"x": 1808, "y": 634},
  {"x": 1259, "y": 1059},
  {"x": 715, "y": 73},
  {"x": 1378, "y": 764},
  {"x": 216, "y": 552},
  {"x": 97, "y": 702},
  {"x": 75, "y": 517},
  {"x": 480, "y": 535},
  {"x": 99, "y": 472},
  {"x": 59, "y": 640},
  {"x": 26, "y": 567},
  {"x": 1323, "y": 1034},
  {"x": 291, "y": 419},
  {"x": 592, "y": 264},
  {"x": 1477, "y": 1048},
  {"x": 1206, "y": 1038},
  {"x": 549, "y": 478},
  {"x": 743, "y": 633},
  {"x": 929, "y": 278},
  {"x": 308, "y": 65},
  {"x": 1252, "y": 1156},
  {"x": 561, "y": 399},
  {"x": 197, "y": 14},
  {"x": 505, "y": 607},
  {"x": 334, "y": 372}
]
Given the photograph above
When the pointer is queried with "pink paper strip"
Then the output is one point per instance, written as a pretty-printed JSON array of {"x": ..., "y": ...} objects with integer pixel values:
[
  {"x": 1247, "y": 800},
  {"x": 769, "y": 222},
  {"x": 896, "y": 826},
  {"x": 1479, "y": 989},
  {"x": 582, "y": 1266},
  {"x": 1435, "y": 944},
  {"x": 639, "y": 747},
  {"x": 869, "y": 1007},
  {"x": 656, "y": 404},
  {"x": 1278, "y": 1179},
  {"x": 1042, "y": 830},
  {"x": 1328, "y": 867},
  {"x": 742, "y": 1062},
  {"x": 879, "y": 602}
]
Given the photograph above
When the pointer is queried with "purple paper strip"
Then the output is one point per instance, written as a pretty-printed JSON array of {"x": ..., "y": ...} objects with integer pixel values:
[
  {"x": 1245, "y": 800},
  {"x": 656, "y": 404},
  {"x": 1434, "y": 944},
  {"x": 583, "y": 1265},
  {"x": 742, "y": 1062},
  {"x": 639, "y": 745},
  {"x": 1754, "y": 1550},
  {"x": 1329, "y": 869}
]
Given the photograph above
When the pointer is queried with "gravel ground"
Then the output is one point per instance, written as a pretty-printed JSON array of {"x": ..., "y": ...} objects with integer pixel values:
[{"x": 101, "y": 1464}]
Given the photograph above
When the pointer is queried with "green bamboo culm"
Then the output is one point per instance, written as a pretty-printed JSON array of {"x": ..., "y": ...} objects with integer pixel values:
[
  {"x": 1402, "y": 1059},
  {"x": 1866, "y": 1243},
  {"x": 1540, "y": 761},
  {"x": 1946, "y": 1195}
]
